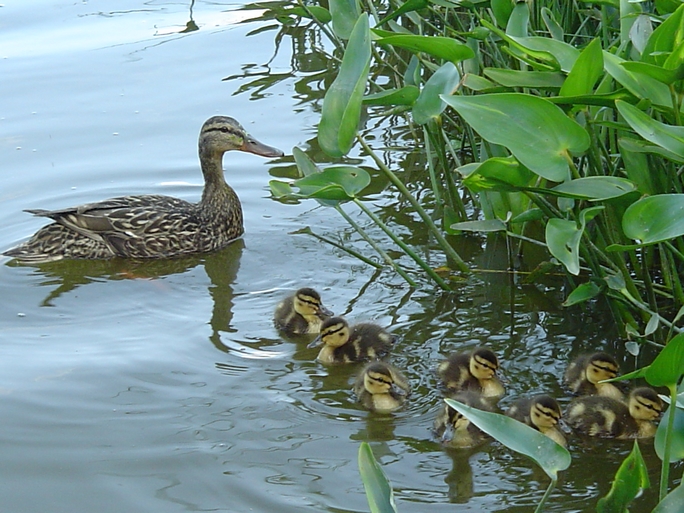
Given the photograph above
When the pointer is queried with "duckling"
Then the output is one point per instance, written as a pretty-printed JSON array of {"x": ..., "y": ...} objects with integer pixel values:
[
  {"x": 610, "y": 418},
  {"x": 381, "y": 388},
  {"x": 301, "y": 313},
  {"x": 344, "y": 344},
  {"x": 453, "y": 429},
  {"x": 474, "y": 371},
  {"x": 583, "y": 375},
  {"x": 540, "y": 412}
]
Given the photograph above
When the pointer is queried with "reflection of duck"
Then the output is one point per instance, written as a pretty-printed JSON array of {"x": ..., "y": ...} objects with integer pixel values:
[
  {"x": 540, "y": 412},
  {"x": 608, "y": 417},
  {"x": 344, "y": 344},
  {"x": 301, "y": 313},
  {"x": 381, "y": 387},
  {"x": 453, "y": 429},
  {"x": 585, "y": 372},
  {"x": 152, "y": 226},
  {"x": 475, "y": 370}
]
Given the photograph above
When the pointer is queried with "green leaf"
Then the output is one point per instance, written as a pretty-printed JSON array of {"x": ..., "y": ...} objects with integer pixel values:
[
  {"x": 582, "y": 293},
  {"x": 305, "y": 165},
  {"x": 429, "y": 105},
  {"x": 496, "y": 174},
  {"x": 668, "y": 35},
  {"x": 655, "y": 218},
  {"x": 320, "y": 14},
  {"x": 345, "y": 15},
  {"x": 378, "y": 490},
  {"x": 280, "y": 190},
  {"x": 677, "y": 444},
  {"x": 640, "y": 85},
  {"x": 335, "y": 183},
  {"x": 668, "y": 137},
  {"x": 672, "y": 503},
  {"x": 539, "y": 134},
  {"x": 341, "y": 111},
  {"x": 596, "y": 188},
  {"x": 408, "y": 6},
  {"x": 440, "y": 47},
  {"x": 486, "y": 226},
  {"x": 407, "y": 95},
  {"x": 666, "y": 76},
  {"x": 534, "y": 79},
  {"x": 518, "y": 437},
  {"x": 587, "y": 69},
  {"x": 563, "y": 53},
  {"x": 668, "y": 366},
  {"x": 630, "y": 479},
  {"x": 563, "y": 238}
]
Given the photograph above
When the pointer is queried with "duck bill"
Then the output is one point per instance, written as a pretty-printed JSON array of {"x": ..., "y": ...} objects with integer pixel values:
[
  {"x": 324, "y": 313},
  {"x": 448, "y": 434},
  {"x": 397, "y": 390},
  {"x": 251, "y": 145},
  {"x": 318, "y": 341}
]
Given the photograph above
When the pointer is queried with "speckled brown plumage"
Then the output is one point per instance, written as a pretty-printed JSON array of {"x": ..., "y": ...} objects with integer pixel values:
[{"x": 152, "y": 226}]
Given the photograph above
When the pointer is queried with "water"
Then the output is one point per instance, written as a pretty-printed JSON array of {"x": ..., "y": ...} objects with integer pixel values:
[{"x": 163, "y": 386}]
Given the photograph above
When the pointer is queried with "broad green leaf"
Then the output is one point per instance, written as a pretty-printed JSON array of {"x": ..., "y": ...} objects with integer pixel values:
[
  {"x": 677, "y": 444},
  {"x": 519, "y": 20},
  {"x": 496, "y": 174},
  {"x": 429, "y": 104},
  {"x": 539, "y": 134},
  {"x": 518, "y": 437},
  {"x": 535, "y": 58},
  {"x": 596, "y": 188},
  {"x": 408, "y": 6},
  {"x": 552, "y": 25},
  {"x": 630, "y": 479},
  {"x": 378, "y": 490},
  {"x": 305, "y": 165},
  {"x": 668, "y": 366},
  {"x": 407, "y": 95},
  {"x": 280, "y": 190},
  {"x": 655, "y": 218},
  {"x": 598, "y": 99},
  {"x": 587, "y": 69},
  {"x": 320, "y": 14},
  {"x": 335, "y": 182},
  {"x": 666, "y": 76},
  {"x": 562, "y": 52},
  {"x": 345, "y": 14},
  {"x": 641, "y": 86},
  {"x": 672, "y": 503},
  {"x": 534, "y": 79},
  {"x": 440, "y": 47},
  {"x": 502, "y": 10},
  {"x": 563, "y": 238},
  {"x": 669, "y": 137},
  {"x": 582, "y": 293},
  {"x": 664, "y": 39},
  {"x": 342, "y": 103},
  {"x": 477, "y": 83},
  {"x": 485, "y": 226}
]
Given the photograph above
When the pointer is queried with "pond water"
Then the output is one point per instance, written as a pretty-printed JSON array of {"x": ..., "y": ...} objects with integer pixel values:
[{"x": 163, "y": 386}]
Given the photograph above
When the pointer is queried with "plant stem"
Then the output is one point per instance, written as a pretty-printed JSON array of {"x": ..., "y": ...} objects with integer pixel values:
[
  {"x": 353, "y": 253},
  {"x": 545, "y": 497},
  {"x": 665, "y": 470}
]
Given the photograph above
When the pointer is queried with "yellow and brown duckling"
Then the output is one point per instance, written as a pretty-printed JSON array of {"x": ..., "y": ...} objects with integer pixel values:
[
  {"x": 381, "y": 388},
  {"x": 609, "y": 418},
  {"x": 345, "y": 344},
  {"x": 301, "y": 313},
  {"x": 474, "y": 370},
  {"x": 540, "y": 412},
  {"x": 152, "y": 226},
  {"x": 584, "y": 374},
  {"x": 453, "y": 429}
]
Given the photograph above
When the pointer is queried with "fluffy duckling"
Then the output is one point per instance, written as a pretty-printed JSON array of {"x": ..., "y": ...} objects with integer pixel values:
[
  {"x": 584, "y": 373},
  {"x": 344, "y": 344},
  {"x": 540, "y": 412},
  {"x": 381, "y": 387},
  {"x": 609, "y": 418},
  {"x": 453, "y": 429},
  {"x": 301, "y": 313},
  {"x": 475, "y": 370}
]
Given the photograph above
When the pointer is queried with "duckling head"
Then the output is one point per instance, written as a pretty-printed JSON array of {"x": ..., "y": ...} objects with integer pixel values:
[
  {"x": 544, "y": 412},
  {"x": 334, "y": 333},
  {"x": 644, "y": 404},
  {"x": 601, "y": 366},
  {"x": 379, "y": 379},
  {"x": 455, "y": 423},
  {"x": 483, "y": 363},
  {"x": 307, "y": 302},
  {"x": 222, "y": 133}
]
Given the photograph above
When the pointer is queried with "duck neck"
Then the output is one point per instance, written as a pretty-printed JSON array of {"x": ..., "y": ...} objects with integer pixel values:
[{"x": 216, "y": 191}]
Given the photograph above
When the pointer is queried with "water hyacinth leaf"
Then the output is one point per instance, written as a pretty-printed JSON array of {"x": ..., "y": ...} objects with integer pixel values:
[
  {"x": 407, "y": 95},
  {"x": 440, "y": 47},
  {"x": 677, "y": 442},
  {"x": 596, "y": 188},
  {"x": 587, "y": 69},
  {"x": 582, "y": 293},
  {"x": 672, "y": 503},
  {"x": 429, "y": 104},
  {"x": 345, "y": 14},
  {"x": 535, "y": 79},
  {"x": 538, "y": 133},
  {"x": 518, "y": 437},
  {"x": 342, "y": 103},
  {"x": 667, "y": 136},
  {"x": 668, "y": 366},
  {"x": 640, "y": 85},
  {"x": 335, "y": 182},
  {"x": 630, "y": 479},
  {"x": 655, "y": 218},
  {"x": 378, "y": 490}
]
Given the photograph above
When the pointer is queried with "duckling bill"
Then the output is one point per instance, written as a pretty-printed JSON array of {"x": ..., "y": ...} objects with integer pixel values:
[
  {"x": 345, "y": 344},
  {"x": 152, "y": 226},
  {"x": 301, "y": 313}
]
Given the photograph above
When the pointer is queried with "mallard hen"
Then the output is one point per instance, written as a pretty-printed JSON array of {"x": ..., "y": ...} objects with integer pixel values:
[
  {"x": 301, "y": 313},
  {"x": 345, "y": 344},
  {"x": 152, "y": 226}
]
